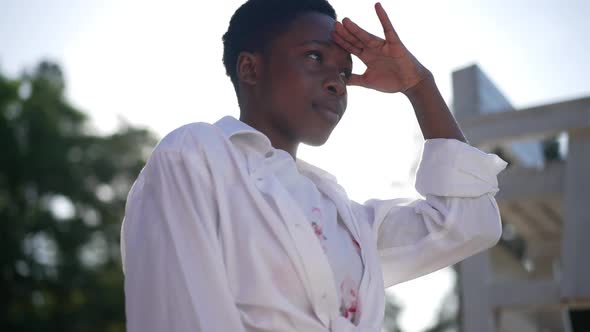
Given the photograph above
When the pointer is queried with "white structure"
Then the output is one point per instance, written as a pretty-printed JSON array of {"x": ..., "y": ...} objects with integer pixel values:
[{"x": 545, "y": 206}]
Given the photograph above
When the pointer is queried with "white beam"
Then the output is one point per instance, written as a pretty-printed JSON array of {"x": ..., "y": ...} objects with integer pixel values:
[
  {"x": 535, "y": 122},
  {"x": 516, "y": 183},
  {"x": 528, "y": 294},
  {"x": 524, "y": 226},
  {"x": 556, "y": 207},
  {"x": 541, "y": 220},
  {"x": 538, "y": 250}
]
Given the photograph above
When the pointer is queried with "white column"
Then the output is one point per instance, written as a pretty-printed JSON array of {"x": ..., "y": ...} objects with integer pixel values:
[
  {"x": 474, "y": 281},
  {"x": 575, "y": 253}
]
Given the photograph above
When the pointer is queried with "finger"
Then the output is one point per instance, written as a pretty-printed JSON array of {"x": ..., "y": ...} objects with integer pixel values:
[
  {"x": 349, "y": 37},
  {"x": 366, "y": 38},
  {"x": 390, "y": 34},
  {"x": 345, "y": 44},
  {"x": 355, "y": 79}
]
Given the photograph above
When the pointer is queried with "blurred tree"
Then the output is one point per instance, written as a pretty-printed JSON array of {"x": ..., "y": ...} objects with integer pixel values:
[
  {"x": 448, "y": 315},
  {"x": 551, "y": 149},
  {"x": 392, "y": 312},
  {"x": 62, "y": 195},
  {"x": 447, "y": 320}
]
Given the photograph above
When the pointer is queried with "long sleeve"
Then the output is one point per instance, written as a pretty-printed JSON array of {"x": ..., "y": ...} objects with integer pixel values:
[
  {"x": 458, "y": 218},
  {"x": 175, "y": 277}
]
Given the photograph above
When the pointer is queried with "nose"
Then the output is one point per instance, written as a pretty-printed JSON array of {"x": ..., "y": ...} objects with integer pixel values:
[{"x": 335, "y": 85}]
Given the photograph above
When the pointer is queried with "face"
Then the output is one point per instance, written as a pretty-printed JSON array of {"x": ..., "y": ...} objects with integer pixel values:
[{"x": 302, "y": 83}]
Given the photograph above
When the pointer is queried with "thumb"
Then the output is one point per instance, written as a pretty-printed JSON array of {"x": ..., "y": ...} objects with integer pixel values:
[{"x": 355, "y": 79}]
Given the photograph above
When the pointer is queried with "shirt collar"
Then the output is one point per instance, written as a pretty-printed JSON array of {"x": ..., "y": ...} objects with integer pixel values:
[
  {"x": 235, "y": 129},
  {"x": 309, "y": 168}
]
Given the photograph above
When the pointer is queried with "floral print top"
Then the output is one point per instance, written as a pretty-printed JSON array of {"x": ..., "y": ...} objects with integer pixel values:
[{"x": 341, "y": 249}]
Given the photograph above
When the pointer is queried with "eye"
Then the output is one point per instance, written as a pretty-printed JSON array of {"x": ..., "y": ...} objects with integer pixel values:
[{"x": 314, "y": 55}]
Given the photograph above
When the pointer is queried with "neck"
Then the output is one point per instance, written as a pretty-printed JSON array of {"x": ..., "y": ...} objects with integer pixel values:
[{"x": 275, "y": 134}]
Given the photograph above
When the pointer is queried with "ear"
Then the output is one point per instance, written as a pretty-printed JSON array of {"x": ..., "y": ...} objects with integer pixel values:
[{"x": 248, "y": 67}]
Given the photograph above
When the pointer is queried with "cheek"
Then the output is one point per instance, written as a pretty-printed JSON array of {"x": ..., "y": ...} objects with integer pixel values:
[
  {"x": 299, "y": 78},
  {"x": 293, "y": 86}
]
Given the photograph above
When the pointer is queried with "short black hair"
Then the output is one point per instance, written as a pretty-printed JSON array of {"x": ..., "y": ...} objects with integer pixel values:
[{"x": 257, "y": 22}]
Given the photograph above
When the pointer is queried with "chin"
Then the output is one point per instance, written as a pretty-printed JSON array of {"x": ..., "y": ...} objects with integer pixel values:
[{"x": 316, "y": 140}]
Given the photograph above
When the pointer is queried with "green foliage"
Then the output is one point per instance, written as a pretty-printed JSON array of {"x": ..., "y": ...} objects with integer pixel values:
[
  {"x": 392, "y": 312},
  {"x": 62, "y": 196},
  {"x": 551, "y": 149}
]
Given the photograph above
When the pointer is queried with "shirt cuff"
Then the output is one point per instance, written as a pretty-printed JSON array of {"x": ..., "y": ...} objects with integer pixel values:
[{"x": 455, "y": 169}]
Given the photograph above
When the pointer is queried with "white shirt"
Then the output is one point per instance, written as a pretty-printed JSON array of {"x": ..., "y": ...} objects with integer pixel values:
[
  {"x": 213, "y": 241},
  {"x": 337, "y": 242}
]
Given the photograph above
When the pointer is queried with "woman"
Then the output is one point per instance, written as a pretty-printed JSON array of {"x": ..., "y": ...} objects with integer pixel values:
[{"x": 226, "y": 230}]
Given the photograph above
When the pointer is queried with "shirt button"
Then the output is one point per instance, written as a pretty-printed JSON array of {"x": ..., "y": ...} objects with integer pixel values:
[{"x": 269, "y": 154}]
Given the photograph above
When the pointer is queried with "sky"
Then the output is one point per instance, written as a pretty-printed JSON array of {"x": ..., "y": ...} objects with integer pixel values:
[{"x": 158, "y": 64}]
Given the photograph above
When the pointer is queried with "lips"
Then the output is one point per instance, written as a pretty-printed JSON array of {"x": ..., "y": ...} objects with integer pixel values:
[{"x": 331, "y": 111}]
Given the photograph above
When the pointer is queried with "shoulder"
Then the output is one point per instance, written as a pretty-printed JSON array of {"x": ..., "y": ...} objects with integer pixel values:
[
  {"x": 188, "y": 147},
  {"x": 185, "y": 154},
  {"x": 195, "y": 147},
  {"x": 190, "y": 137}
]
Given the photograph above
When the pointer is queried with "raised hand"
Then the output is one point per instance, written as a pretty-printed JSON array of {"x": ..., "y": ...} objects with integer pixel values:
[{"x": 390, "y": 66}]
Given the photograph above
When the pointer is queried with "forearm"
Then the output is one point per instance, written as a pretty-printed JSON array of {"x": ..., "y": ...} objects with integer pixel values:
[{"x": 433, "y": 114}]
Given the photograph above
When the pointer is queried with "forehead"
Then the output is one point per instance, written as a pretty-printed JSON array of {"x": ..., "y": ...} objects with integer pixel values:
[
  {"x": 305, "y": 28},
  {"x": 310, "y": 26}
]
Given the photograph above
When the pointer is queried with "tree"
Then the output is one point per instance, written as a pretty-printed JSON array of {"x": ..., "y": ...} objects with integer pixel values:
[
  {"x": 392, "y": 312},
  {"x": 448, "y": 320},
  {"x": 62, "y": 196}
]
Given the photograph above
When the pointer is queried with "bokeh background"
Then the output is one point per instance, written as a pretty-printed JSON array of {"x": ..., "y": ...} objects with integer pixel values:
[{"x": 88, "y": 87}]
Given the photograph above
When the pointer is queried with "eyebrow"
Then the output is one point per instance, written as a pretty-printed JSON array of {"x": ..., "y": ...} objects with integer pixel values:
[{"x": 324, "y": 43}]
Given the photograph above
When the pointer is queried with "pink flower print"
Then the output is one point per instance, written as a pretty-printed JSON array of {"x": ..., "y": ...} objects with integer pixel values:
[
  {"x": 318, "y": 231},
  {"x": 316, "y": 217},
  {"x": 350, "y": 302},
  {"x": 316, "y": 214}
]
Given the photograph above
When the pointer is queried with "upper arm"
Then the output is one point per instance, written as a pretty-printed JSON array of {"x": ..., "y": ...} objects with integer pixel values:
[{"x": 174, "y": 273}]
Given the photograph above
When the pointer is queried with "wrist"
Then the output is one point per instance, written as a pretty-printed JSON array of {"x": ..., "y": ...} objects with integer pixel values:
[{"x": 426, "y": 86}]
